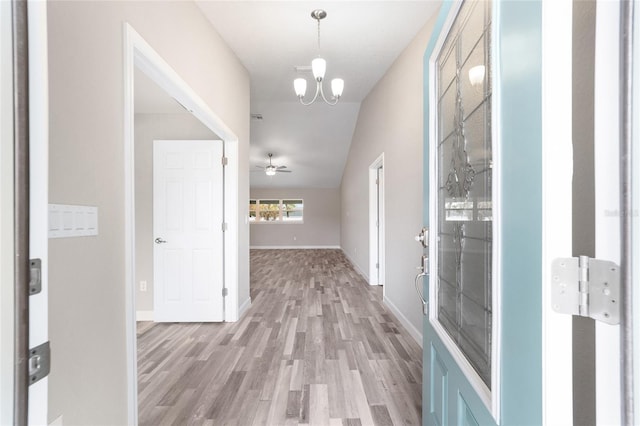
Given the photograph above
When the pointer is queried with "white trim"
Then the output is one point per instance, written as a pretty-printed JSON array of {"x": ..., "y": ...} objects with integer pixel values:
[
  {"x": 244, "y": 307},
  {"x": 411, "y": 329},
  {"x": 354, "y": 264},
  {"x": 376, "y": 275},
  {"x": 607, "y": 198},
  {"x": 39, "y": 193},
  {"x": 490, "y": 397},
  {"x": 144, "y": 315},
  {"x": 294, "y": 247},
  {"x": 138, "y": 53},
  {"x": 557, "y": 172},
  {"x": 635, "y": 185}
]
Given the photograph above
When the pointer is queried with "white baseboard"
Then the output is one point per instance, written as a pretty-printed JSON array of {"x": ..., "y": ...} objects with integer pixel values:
[
  {"x": 355, "y": 265},
  {"x": 413, "y": 331},
  {"x": 293, "y": 247},
  {"x": 144, "y": 315},
  {"x": 244, "y": 308}
]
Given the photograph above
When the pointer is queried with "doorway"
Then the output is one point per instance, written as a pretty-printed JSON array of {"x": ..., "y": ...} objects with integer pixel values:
[
  {"x": 376, "y": 222},
  {"x": 139, "y": 54}
]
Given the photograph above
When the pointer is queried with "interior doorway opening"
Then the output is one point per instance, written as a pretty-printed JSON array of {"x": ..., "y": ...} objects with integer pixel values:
[
  {"x": 376, "y": 222},
  {"x": 140, "y": 55}
]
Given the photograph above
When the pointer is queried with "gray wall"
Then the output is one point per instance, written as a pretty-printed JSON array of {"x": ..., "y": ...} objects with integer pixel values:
[
  {"x": 147, "y": 128},
  {"x": 321, "y": 225},
  {"x": 88, "y": 381},
  {"x": 390, "y": 122}
]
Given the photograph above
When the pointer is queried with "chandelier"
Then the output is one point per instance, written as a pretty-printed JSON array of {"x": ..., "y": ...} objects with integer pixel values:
[{"x": 318, "y": 67}]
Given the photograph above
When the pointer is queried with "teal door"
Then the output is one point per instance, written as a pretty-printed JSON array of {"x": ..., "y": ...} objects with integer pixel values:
[{"x": 483, "y": 206}]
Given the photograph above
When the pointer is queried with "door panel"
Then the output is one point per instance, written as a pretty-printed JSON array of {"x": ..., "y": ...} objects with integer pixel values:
[
  {"x": 188, "y": 231},
  {"x": 482, "y": 339}
]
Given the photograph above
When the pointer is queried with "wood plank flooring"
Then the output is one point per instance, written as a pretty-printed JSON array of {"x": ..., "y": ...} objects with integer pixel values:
[{"x": 317, "y": 347}]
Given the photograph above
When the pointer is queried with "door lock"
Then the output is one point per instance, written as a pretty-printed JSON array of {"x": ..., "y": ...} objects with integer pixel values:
[
  {"x": 159, "y": 241},
  {"x": 423, "y": 237}
]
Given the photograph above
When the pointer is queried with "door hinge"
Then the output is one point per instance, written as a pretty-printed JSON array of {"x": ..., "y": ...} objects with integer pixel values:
[
  {"x": 225, "y": 161},
  {"x": 377, "y": 266},
  {"x": 586, "y": 287},
  {"x": 35, "y": 276},
  {"x": 39, "y": 362},
  {"x": 377, "y": 181},
  {"x": 224, "y": 226},
  {"x": 225, "y": 292}
]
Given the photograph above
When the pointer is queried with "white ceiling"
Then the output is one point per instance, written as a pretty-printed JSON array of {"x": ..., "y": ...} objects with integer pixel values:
[{"x": 359, "y": 39}]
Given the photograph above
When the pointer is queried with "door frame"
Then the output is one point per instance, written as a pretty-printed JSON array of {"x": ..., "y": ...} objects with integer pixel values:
[
  {"x": 557, "y": 172},
  {"x": 39, "y": 194},
  {"x": 138, "y": 53},
  {"x": 376, "y": 213}
]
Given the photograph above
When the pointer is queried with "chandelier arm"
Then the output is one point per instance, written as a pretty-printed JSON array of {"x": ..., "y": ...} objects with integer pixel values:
[
  {"x": 324, "y": 98},
  {"x": 318, "y": 90}
]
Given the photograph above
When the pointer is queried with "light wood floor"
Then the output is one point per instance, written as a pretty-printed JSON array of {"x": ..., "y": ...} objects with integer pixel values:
[{"x": 316, "y": 347}]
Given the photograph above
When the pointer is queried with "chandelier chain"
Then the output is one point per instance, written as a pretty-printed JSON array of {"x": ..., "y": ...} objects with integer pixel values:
[{"x": 318, "y": 37}]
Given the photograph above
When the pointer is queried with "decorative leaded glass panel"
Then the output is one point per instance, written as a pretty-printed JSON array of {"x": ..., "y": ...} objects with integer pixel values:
[{"x": 464, "y": 166}]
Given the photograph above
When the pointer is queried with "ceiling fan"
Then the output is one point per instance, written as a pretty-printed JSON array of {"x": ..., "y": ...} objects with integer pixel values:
[{"x": 271, "y": 170}]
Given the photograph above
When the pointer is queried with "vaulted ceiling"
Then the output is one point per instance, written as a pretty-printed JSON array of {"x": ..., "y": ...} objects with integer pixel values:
[{"x": 359, "y": 40}]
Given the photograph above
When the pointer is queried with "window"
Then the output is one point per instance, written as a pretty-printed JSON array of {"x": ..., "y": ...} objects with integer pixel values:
[{"x": 276, "y": 211}]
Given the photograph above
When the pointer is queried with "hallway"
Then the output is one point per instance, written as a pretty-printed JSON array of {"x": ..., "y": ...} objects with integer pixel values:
[{"x": 316, "y": 347}]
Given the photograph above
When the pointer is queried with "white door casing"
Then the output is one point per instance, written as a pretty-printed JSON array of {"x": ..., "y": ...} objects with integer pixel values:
[
  {"x": 138, "y": 53},
  {"x": 376, "y": 222},
  {"x": 187, "y": 226},
  {"x": 39, "y": 195},
  {"x": 607, "y": 199}
]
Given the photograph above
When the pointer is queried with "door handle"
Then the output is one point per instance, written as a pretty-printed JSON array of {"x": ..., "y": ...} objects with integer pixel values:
[
  {"x": 424, "y": 273},
  {"x": 159, "y": 241},
  {"x": 425, "y": 306}
]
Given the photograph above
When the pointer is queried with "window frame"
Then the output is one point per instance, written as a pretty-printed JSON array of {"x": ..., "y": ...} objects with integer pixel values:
[{"x": 257, "y": 219}]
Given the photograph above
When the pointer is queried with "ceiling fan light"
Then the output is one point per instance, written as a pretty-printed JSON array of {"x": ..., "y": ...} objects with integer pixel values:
[
  {"x": 270, "y": 170},
  {"x": 300, "y": 86},
  {"x": 319, "y": 67},
  {"x": 337, "y": 86}
]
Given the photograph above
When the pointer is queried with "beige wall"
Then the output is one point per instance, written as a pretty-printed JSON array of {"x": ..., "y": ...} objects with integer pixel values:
[
  {"x": 390, "y": 122},
  {"x": 88, "y": 382},
  {"x": 150, "y": 127},
  {"x": 321, "y": 225}
]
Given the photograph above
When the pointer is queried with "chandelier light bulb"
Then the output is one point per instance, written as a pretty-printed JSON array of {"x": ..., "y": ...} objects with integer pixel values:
[
  {"x": 270, "y": 171},
  {"x": 300, "y": 86},
  {"x": 319, "y": 67},
  {"x": 337, "y": 86}
]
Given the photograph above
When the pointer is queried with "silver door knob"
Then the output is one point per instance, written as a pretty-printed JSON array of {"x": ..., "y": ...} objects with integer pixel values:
[{"x": 159, "y": 241}]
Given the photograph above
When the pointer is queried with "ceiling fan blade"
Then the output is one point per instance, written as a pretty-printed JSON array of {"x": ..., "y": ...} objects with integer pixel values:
[
  {"x": 260, "y": 167},
  {"x": 283, "y": 171},
  {"x": 281, "y": 167}
]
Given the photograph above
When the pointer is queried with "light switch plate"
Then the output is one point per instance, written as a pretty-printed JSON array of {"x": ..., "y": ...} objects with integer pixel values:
[{"x": 72, "y": 221}]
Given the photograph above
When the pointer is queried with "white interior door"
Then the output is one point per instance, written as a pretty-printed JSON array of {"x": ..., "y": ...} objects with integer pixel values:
[{"x": 187, "y": 224}]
